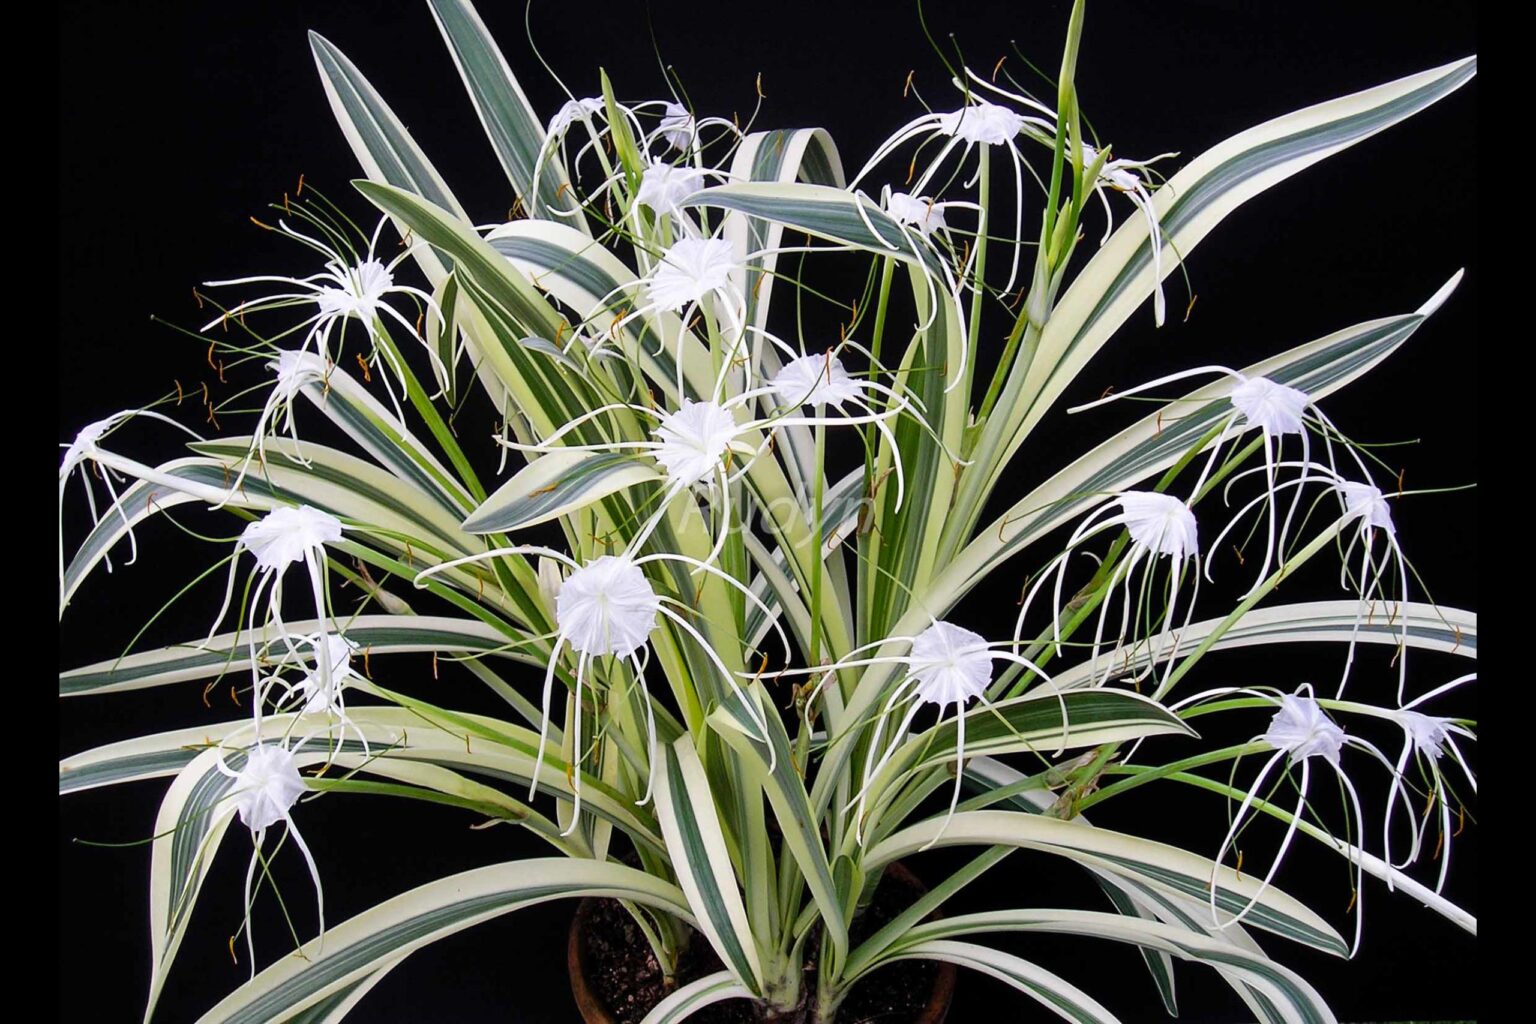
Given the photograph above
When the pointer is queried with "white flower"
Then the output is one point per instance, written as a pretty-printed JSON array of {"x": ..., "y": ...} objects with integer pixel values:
[
  {"x": 925, "y": 215},
  {"x": 1366, "y": 502},
  {"x": 267, "y": 787},
  {"x": 322, "y": 686},
  {"x": 1124, "y": 176},
  {"x": 692, "y": 269},
  {"x": 982, "y": 122},
  {"x": 607, "y": 607},
  {"x": 264, "y": 791},
  {"x": 286, "y": 536},
  {"x": 1302, "y": 729},
  {"x": 817, "y": 380},
  {"x": 1160, "y": 523},
  {"x": 663, "y": 186},
  {"x": 361, "y": 295},
  {"x": 572, "y": 111},
  {"x": 1427, "y": 738},
  {"x": 677, "y": 126},
  {"x": 693, "y": 440},
  {"x": 1274, "y": 408},
  {"x": 978, "y": 123},
  {"x": 951, "y": 665},
  {"x": 1427, "y": 732},
  {"x": 86, "y": 448},
  {"x": 1299, "y": 731}
]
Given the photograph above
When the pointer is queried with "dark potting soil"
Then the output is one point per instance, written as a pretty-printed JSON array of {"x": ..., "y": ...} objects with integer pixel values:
[{"x": 623, "y": 972}]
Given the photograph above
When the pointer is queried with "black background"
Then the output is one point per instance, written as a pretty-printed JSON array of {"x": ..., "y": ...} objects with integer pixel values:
[{"x": 180, "y": 120}]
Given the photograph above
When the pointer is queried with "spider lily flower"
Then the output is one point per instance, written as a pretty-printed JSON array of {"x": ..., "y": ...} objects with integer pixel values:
[
  {"x": 677, "y": 127},
  {"x": 322, "y": 690},
  {"x": 664, "y": 186},
  {"x": 947, "y": 666},
  {"x": 694, "y": 275},
  {"x": 1299, "y": 731},
  {"x": 341, "y": 292},
  {"x": 1125, "y": 176},
  {"x": 295, "y": 371},
  {"x": 570, "y": 112},
  {"x": 608, "y": 608},
  {"x": 1426, "y": 739},
  {"x": 1159, "y": 525},
  {"x": 925, "y": 216},
  {"x": 283, "y": 537},
  {"x": 978, "y": 123},
  {"x": 86, "y": 448},
  {"x": 265, "y": 789},
  {"x": 1278, "y": 411},
  {"x": 1364, "y": 502}
]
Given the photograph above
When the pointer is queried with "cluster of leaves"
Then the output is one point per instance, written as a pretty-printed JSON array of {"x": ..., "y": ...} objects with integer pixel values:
[{"x": 677, "y": 436}]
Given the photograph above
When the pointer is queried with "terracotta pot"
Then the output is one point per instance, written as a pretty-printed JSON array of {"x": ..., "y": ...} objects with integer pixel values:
[{"x": 593, "y": 1011}]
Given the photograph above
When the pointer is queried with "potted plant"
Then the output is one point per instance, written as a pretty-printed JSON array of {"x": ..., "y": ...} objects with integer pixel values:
[{"x": 718, "y": 590}]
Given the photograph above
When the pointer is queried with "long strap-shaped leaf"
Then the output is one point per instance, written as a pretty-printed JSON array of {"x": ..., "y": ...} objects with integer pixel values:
[
  {"x": 1159, "y": 865},
  {"x": 694, "y": 996},
  {"x": 1035, "y": 723},
  {"x": 1299, "y": 1002},
  {"x": 1429, "y": 627},
  {"x": 380, "y": 142},
  {"x": 696, "y": 843},
  {"x": 229, "y": 652},
  {"x": 516, "y": 134},
  {"x": 398, "y": 927},
  {"x": 1057, "y": 994}
]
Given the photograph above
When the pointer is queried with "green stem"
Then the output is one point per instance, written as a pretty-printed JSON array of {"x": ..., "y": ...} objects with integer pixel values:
[
  {"x": 866, "y": 537},
  {"x": 1141, "y": 775}
]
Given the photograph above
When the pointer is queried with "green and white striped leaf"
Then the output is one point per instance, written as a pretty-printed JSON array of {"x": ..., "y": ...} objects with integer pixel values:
[
  {"x": 230, "y": 652},
  {"x": 472, "y": 744},
  {"x": 1060, "y": 996},
  {"x": 345, "y": 486},
  {"x": 694, "y": 996},
  {"x": 335, "y": 1007},
  {"x": 1429, "y": 627},
  {"x": 1282, "y": 989},
  {"x": 825, "y": 212},
  {"x": 394, "y": 929},
  {"x": 381, "y": 143},
  {"x": 558, "y": 483},
  {"x": 686, "y": 808},
  {"x": 348, "y": 404},
  {"x": 1164, "y": 868},
  {"x": 139, "y": 501},
  {"x": 1033, "y": 723},
  {"x": 1128, "y": 896},
  {"x": 515, "y": 132}
]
